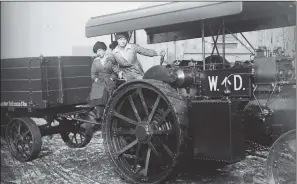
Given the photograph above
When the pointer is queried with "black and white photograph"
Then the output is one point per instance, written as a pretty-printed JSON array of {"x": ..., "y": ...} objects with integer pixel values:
[{"x": 183, "y": 92}]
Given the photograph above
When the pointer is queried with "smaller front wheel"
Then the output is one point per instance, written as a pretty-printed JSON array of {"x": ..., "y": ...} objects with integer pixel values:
[
  {"x": 76, "y": 134},
  {"x": 24, "y": 138}
]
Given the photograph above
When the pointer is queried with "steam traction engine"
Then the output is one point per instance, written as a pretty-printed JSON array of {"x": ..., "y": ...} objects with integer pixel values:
[
  {"x": 179, "y": 111},
  {"x": 203, "y": 110}
]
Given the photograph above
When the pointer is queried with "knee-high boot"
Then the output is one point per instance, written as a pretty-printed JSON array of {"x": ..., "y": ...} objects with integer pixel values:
[{"x": 99, "y": 110}]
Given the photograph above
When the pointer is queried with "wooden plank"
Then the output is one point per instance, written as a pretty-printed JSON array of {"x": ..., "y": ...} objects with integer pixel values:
[
  {"x": 20, "y": 73},
  {"x": 77, "y": 60},
  {"x": 75, "y": 71},
  {"x": 22, "y": 96},
  {"x": 21, "y": 85},
  {"x": 77, "y": 82},
  {"x": 77, "y": 96},
  {"x": 20, "y": 62}
]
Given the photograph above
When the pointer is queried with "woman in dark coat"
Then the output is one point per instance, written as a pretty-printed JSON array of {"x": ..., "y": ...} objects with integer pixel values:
[{"x": 103, "y": 70}]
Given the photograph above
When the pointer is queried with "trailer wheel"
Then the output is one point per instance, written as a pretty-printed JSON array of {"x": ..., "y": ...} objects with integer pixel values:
[
  {"x": 281, "y": 162},
  {"x": 76, "y": 134},
  {"x": 145, "y": 131},
  {"x": 24, "y": 138}
]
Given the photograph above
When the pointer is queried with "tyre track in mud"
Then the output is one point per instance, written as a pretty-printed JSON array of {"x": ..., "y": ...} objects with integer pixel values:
[
  {"x": 60, "y": 164},
  {"x": 67, "y": 176}
]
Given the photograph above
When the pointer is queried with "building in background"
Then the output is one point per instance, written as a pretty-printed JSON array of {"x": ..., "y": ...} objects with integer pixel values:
[
  {"x": 29, "y": 29},
  {"x": 192, "y": 49}
]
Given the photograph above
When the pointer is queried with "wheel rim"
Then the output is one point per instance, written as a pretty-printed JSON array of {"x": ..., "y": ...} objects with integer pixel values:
[
  {"x": 137, "y": 137},
  {"x": 20, "y": 139},
  {"x": 282, "y": 159}
]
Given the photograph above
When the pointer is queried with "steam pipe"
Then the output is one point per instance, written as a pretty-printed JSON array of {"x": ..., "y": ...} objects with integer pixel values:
[{"x": 203, "y": 44}]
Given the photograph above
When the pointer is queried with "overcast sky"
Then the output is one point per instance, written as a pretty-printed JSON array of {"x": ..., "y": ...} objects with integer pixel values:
[{"x": 29, "y": 29}]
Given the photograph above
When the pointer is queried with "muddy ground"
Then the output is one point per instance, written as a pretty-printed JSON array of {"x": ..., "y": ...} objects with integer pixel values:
[{"x": 58, "y": 163}]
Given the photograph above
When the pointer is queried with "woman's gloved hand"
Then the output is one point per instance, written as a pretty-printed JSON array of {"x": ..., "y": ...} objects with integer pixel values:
[
  {"x": 120, "y": 75},
  {"x": 162, "y": 53}
]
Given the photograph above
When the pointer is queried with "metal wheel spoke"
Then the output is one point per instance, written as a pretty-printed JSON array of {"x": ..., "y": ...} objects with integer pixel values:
[
  {"x": 134, "y": 108},
  {"x": 166, "y": 113},
  {"x": 25, "y": 133},
  {"x": 72, "y": 137},
  {"x": 154, "y": 109},
  {"x": 163, "y": 132},
  {"x": 75, "y": 138},
  {"x": 129, "y": 146},
  {"x": 142, "y": 101},
  {"x": 19, "y": 129},
  {"x": 169, "y": 152},
  {"x": 125, "y": 118},
  {"x": 153, "y": 149},
  {"x": 124, "y": 132},
  {"x": 15, "y": 142},
  {"x": 81, "y": 137},
  {"x": 137, "y": 155},
  {"x": 147, "y": 161}
]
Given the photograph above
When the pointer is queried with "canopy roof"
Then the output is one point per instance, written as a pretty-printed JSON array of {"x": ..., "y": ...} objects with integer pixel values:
[{"x": 182, "y": 20}]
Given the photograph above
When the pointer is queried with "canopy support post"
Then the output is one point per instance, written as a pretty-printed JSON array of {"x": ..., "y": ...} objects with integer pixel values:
[
  {"x": 223, "y": 44},
  {"x": 240, "y": 41},
  {"x": 203, "y": 44},
  {"x": 247, "y": 41},
  {"x": 215, "y": 41}
]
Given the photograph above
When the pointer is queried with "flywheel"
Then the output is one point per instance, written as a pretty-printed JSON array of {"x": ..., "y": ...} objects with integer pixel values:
[
  {"x": 281, "y": 162},
  {"x": 145, "y": 130}
]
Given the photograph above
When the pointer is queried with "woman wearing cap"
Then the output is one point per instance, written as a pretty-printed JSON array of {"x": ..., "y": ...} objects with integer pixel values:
[
  {"x": 126, "y": 56},
  {"x": 103, "y": 70}
]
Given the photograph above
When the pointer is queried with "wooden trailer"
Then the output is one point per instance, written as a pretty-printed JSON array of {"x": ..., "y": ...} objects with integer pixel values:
[{"x": 53, "y": 88}]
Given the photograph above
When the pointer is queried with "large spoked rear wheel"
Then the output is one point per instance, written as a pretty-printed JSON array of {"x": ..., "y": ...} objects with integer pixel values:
[
  {"x": 145, "y": 130},
  {"x": 281, "y": 162},
  {"x": 23, "y": 138}
]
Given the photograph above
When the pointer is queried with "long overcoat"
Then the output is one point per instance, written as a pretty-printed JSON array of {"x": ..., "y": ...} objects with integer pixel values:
[
  {"x": 104, "y": 69},
  {"x": 128, "y": 61}
]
